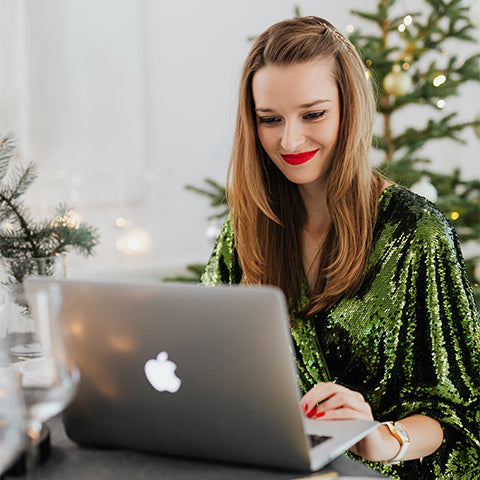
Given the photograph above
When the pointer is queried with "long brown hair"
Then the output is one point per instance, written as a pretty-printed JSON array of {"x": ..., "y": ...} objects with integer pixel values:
[{"x": 266, "y": 209}]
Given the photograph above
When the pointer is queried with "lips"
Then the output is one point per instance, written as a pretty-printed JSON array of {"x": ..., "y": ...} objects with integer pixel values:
[{"x": 299, "y": 158}]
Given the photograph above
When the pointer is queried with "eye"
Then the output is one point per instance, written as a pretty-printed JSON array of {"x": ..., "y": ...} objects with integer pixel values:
[
  {"x": 314, "y": 115},
  {"x": 269, "y": 120}
]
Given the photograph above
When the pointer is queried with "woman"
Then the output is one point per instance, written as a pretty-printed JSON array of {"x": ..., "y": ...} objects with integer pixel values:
[{"x": 382, "y": 313}]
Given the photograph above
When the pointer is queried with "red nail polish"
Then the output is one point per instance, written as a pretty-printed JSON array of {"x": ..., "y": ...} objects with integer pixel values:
[
  {"x": 320, "y": 414},
  {"x": 305, "y": 408},
  {"x": 312, "y": 412}
]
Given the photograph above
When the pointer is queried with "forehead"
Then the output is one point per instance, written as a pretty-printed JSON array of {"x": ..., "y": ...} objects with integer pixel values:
[{"x": 299, "y": 83}]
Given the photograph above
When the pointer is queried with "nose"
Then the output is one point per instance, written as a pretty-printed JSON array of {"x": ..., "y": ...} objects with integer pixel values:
[{"x": 292, "y": 137}]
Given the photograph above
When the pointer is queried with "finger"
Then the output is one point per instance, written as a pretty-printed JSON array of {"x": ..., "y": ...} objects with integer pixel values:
[
  {"x": 339, "y": 414},
  {"x": 316, "y": 394},
  {"x": 319, "y": 393},
  {"x": 345, "y": 400},
  {"x": 312, "y": 412}
]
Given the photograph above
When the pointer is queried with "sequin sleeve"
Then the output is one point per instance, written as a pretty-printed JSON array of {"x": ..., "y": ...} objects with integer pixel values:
[
  {"x": 437, "y": 351},
  {"x": 408, "y": 340},
  {"x": 223, "y": 266}
]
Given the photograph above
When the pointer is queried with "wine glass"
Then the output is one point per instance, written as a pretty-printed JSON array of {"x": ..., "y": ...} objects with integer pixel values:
[
  {"x": 48, "y": 382},
  {"x": 11, "y": 416}
]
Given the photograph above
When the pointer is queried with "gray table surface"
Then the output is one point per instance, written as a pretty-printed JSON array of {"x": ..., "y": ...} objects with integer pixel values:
[{"x": 70, "y": 461}]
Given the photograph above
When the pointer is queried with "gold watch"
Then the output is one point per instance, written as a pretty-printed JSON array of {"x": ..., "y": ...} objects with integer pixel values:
[{"x": 403, "y": 439}]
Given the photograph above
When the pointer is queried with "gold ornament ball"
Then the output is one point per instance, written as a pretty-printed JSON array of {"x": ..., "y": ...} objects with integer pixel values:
[{"x": 397, "y": 83}]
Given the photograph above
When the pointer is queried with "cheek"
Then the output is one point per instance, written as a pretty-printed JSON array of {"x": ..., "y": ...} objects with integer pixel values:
[
  {"x": 335, "y": 129},
  {"x": 266, "y": 138},
  {"x": 328, "y": 134},
  {"x": 333, "y": 137}
]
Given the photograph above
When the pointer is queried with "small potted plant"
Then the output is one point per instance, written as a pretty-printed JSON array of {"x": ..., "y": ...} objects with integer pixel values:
[{"x": 29, "y": 247}]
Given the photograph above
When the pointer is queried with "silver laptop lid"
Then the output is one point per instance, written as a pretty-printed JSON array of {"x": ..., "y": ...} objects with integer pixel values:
[{"x": 183, "y": 370}]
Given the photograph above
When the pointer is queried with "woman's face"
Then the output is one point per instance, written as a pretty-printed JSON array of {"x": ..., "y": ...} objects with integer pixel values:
[{"x": 298, "y": 115}]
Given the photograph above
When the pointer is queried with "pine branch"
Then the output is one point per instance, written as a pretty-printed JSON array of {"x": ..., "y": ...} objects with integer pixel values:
[
  {"x": 414, "y": 138},
  {"x": 216, "y": 194},
  {"x": 20, "y": 236},
  {"x": 457, "y": 74},
  {"x": 195, "y": 270},
  {"x": 372, "y": 17},
  {"x": 22, "y": 179},
  {"x": 7, "y": 146},
  {"x": 404, "y": 169},
  {"x": 16, "y": 213}
]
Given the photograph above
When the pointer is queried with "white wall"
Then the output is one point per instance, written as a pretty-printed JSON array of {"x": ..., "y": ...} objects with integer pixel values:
[{"x": 122, "y": 103}]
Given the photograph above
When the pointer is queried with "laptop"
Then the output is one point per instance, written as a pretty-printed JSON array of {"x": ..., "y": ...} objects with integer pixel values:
[{"x": 192, "y": 371}]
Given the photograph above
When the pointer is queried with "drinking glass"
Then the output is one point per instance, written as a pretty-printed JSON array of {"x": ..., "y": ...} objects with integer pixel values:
[
  {"x": 48, "y": 382},
  {"x": 16, "y": 322},
  {"x": 11, "y": 416}
]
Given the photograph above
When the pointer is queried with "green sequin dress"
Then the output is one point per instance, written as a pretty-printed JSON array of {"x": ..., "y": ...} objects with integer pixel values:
[{"x": 408, "y": 340}]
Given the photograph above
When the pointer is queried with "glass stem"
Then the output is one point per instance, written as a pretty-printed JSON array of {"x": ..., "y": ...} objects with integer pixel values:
[{"x": 32, "y": 455}]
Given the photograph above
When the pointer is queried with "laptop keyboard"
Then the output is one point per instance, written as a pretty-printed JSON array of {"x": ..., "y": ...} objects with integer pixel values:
[{"x": 318, "y": 439}]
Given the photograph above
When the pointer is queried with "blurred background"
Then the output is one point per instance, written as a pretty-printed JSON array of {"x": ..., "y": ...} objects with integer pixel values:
[{"x": 122, "y": 103}]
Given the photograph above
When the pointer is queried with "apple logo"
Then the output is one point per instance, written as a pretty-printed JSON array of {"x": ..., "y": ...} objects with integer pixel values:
[{"x": 160, "y": 372}]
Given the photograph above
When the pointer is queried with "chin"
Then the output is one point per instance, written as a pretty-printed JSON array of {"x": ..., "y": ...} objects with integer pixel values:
[
  {"x": 305, "y": 174},
  {"x": 305, "y": 180}
]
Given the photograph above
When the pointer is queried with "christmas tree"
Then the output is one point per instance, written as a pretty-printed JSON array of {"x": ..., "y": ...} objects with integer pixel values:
[
  {"x": 407, "y": 59},
  {"x": 410, "y": 61}
]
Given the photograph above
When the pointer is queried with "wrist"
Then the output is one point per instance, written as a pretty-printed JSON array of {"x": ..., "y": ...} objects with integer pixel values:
[
  {"x": 378, "y": 446},
  {"x": 391, "y": 446},
  {"x": 401, "y": 438}
]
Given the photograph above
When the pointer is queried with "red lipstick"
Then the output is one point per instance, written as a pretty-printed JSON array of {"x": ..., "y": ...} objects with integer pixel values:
[{"x": 299, "y": 158}]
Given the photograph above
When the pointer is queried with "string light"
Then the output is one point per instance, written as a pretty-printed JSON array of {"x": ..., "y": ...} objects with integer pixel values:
[
  {"x": 74, "y": 218},
  {"x": 401, "y": 28},
  {"x": 368, "y": 63},
  {"x": 134, "y": 242},
  {"x": 407, "y": 20},
  {"x": 71, "y": 219},
  {"x": 406, "y": 62},
  {"x": 120, "y": 222},
  {"x": 439, "y": 80},
  {"x": 441, "y": 103},
  {"x": 350, "y": 28},
  {"x": 454, "y": 215}
]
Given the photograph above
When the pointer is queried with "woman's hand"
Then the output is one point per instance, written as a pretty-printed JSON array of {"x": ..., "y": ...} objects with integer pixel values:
[{"x": 330, "y": 401}]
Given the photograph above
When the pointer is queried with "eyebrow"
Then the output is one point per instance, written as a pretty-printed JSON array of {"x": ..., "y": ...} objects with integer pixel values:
[{"x": 305, "y": 105}]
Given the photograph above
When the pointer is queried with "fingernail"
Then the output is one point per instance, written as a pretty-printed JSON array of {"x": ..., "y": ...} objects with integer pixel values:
[
  {"x": 305, "y": 408},
  {"x": 312, "y": 412},
  {"x": 320, "y": 414}
]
